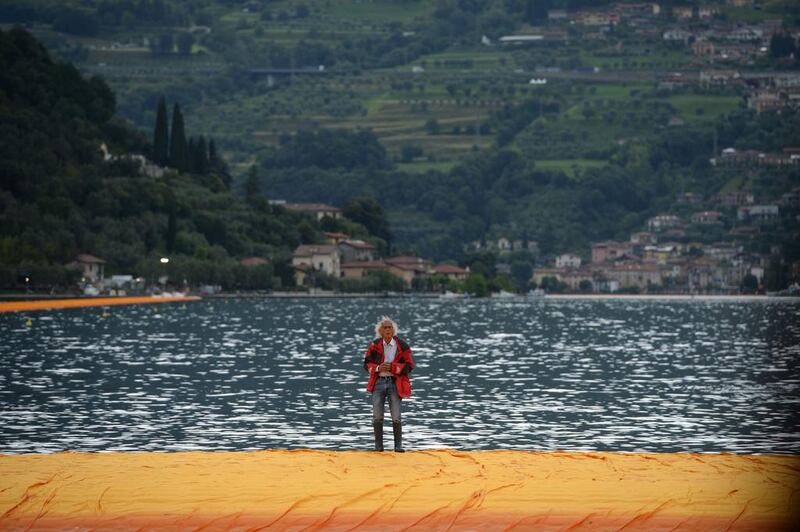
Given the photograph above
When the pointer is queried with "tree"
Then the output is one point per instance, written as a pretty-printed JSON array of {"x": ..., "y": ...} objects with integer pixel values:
[
  {"x": 749, "y": 284},
  {"x": 432, "y": 126},
  {"x": 178, "y": 147},
  {"x": 161, "y": 135},
  {"x": 185, "y": 41},
  {"x": 370, "y": 214},
  {"x": 199, "y": 156},
  {"x": 476, "y": 285},
  {"x": 163, "y": 45},
  {"x": 409, "y": 152},
  {"x": 252, "y": 185},
  {"x": 781, "y": 45},
  {"x": 172, "y": 223},
  {"x": 521, "y": 271}
]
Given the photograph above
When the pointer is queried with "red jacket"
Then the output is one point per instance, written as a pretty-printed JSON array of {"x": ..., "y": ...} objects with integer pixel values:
[{"x": 401, "y": 366}]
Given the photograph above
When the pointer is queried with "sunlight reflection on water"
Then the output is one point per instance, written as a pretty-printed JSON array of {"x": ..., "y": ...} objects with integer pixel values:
[{"x": 626, "y": 375}]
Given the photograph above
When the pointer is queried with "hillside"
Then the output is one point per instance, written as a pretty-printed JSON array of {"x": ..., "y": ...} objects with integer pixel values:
[
  {"x": 60, "y": 196},
  {"x": 600, "y": 120}
]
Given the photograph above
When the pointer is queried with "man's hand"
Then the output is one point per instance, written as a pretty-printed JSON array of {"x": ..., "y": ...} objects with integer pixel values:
[{"x": 385, "y": 367}]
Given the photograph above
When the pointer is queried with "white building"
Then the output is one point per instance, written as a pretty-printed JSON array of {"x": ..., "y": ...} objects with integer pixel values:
[
  {"x": 568, "y": 260},
  {"x": 318, "y": 257}
]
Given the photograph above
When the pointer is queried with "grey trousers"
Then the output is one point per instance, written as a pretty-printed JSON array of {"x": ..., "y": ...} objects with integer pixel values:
[{"x": 385, "y": 389}]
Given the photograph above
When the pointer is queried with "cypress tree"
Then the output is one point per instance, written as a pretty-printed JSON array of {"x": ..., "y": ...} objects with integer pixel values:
[
  {"x": 192, "y": 167},
  {"x": 217, "y": 165},
  {"x": 213, "y": 158},
  {"x": 161, "y": 135},
  {"x": 172, "y": 223},
  {"x": 200, "y": 156},
  {"x": 179, "y": 149}
]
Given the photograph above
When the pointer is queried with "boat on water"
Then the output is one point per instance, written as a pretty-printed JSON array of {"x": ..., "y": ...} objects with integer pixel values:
[
  {"x": 537, "y": 292},
  {"x": 452, "y": 295},
  {"x": 503, "y": 294}
]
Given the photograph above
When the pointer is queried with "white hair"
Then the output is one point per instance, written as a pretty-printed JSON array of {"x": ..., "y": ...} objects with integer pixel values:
[{"x": 385, "y": 319}]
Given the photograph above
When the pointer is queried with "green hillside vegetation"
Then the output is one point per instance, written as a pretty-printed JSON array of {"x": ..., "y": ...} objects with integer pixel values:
[
  {"x": 60, "y": 197},
  {"x": 471, "y": 149}
]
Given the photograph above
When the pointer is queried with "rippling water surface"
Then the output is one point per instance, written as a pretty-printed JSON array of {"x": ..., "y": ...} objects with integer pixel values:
[{"x": 630, "y": 375}]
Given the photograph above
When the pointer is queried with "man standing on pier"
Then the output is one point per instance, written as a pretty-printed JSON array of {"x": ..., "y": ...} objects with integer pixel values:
[{"x": 388, "y": 362}]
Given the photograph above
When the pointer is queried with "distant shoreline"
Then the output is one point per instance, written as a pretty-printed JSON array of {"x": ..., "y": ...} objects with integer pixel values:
[
  {"x": 19, "y": 302},
  {"x": 62, "y": 303}
]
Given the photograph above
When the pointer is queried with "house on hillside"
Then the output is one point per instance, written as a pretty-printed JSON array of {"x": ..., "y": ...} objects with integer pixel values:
[
  {"x": 450, "y": 271},
  {"x": 707, "y": 218},
  {"x": 609, "y": 251},
  {"x": 540, "y": 273},
  {"x": 92, "y": 268},
  {"x": 316, "y": 258},
  {"x": 643, "y": 238},
  {"x": 360, "y": 269},
  {"x": 663, "y": 221},
  {"x": 568, "y": 260},
  {"x": 409, "y": 268},
  {"x": 761, "y": 213},
  {"x": 636, "y": 275},
  {"x": 356, "y": 250},
  {"x": 676, "y": 35},
  {"x": 335, "y": 238}
]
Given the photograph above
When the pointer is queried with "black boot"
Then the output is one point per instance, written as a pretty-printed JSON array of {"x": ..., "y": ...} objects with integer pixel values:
[
  {"x": 377, "y": 427},
  {"x": 397, "y": 428}
]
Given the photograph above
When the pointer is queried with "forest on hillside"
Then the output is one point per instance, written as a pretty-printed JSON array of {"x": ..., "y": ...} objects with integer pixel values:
[
  {"x": 60, "y": 196},
  {"x": 413, "y": 104}
]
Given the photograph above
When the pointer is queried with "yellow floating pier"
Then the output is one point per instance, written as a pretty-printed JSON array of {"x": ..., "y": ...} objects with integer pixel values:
[
  {"x": 50, "y": 304},
  {"x": 421, "y": 490}
]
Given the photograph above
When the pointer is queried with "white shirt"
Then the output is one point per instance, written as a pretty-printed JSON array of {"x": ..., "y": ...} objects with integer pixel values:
[{"x": 389, "y": 352}]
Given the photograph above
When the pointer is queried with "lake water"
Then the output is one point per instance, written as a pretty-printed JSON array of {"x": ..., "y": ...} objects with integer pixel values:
[{"x": 625, "y": 375}]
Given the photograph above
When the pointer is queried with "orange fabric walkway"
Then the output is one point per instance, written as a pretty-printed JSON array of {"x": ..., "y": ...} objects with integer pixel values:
[
  {"x": 422, "y": 490},
  {"x": 50, "y": 304}
]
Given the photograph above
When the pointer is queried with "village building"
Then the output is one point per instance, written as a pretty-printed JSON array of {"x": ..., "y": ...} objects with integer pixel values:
[
  {"x": 761, "y": 213},
  {"x": 92, "y": 268},
  {"x": 568, "y": 260},
  {"x": 609, "y": 251},
  {"x": 450, "y": 271},
  {"x": 409, "y": 268},
  {"x": 356, "y": 250},
  {"x": 360, "y": 269},
  {"x": 791, "y": 199},
  {"x": 322, "y": 258},
  {"x": 718, "y": 77},
  {"x": 335, "y": 238},
  {"x": 659, "y": 254},
  {"x": 644, "y": 238},
  {"x": 635, "y": 275},
  {"x": 707, "y": 218},
  {"x": 676, "y": 35},
  {"x": 734, "y": 199},
  {"x": 662, "y": 222},
  {"x": 723, "y": 251},
  {"x": 540, "y": 273}
]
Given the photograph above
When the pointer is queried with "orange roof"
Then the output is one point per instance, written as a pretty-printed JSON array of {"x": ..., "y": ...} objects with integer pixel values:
[
  {"x": 449, "y": 268},
  {"x": 357, "y": 244},
  {"x": 254, "y": 261},
  {"x": 406, "y": 260},
  {"x": 314, "y": 249},
  {"x": 364, "y": 264}
]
